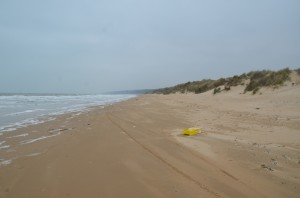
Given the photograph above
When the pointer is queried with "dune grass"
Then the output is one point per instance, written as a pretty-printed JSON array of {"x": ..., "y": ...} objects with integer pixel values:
[
  {"x": 267, "y": 78},
  {"x": 257, "y": 79}
]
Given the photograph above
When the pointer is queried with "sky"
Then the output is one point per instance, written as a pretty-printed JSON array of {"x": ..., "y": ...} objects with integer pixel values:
[{"x": 94, "y": 46}]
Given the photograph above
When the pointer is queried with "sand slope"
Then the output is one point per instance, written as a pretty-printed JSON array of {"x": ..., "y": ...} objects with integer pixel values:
[
  {"x": 254, "y": 137},
  {"x": 249, "y": 148}
]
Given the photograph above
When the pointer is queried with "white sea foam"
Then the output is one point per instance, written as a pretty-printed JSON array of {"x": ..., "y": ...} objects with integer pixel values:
[
  {"x": 16, "y": 125},
  {"x": 40, "y": 138},
  {"x": 4, "y": 147},
  {"x": 5, "y": 162},
  {"x": 24, "y": 112},
  {"x": 16, "y": 136},
  {"x": 32, "y": 154},
  {"x": 8, "y": 129}
]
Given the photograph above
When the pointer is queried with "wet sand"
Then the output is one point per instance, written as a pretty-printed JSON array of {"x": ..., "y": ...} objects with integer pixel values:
[{"x": 250, "y": 147}]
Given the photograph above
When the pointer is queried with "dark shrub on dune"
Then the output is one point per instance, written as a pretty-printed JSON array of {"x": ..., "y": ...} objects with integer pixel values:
[{"x": 266, "y": 78}]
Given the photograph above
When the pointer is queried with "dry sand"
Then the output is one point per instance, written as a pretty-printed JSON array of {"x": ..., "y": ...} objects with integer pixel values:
[{"x": 250, "y": 147}]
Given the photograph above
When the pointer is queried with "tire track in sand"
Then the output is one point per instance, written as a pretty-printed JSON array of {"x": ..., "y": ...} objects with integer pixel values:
[{"x": 188, "y": 177}]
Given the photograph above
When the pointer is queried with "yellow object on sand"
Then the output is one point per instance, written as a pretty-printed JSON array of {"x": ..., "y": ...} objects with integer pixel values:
[{"x": 191, "y": 131}]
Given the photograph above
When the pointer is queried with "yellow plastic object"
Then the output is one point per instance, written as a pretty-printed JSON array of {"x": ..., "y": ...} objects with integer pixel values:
[{"x": 191, "y": 131}]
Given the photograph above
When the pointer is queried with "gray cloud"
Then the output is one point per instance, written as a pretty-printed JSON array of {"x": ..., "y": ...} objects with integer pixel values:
[{"x": 96, "y": 46}]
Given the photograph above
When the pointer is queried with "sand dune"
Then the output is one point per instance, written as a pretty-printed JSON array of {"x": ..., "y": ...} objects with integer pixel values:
[{"x": 250, "y": 147}]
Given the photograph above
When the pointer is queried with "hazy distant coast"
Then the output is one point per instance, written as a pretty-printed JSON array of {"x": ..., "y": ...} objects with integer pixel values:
[{"x": 138, "y": 92}]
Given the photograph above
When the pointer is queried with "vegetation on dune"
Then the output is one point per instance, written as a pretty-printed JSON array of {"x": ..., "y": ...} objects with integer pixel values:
[
  {"x": 194, "y": 87},
  {"x": 217, "y": 90},
  {"x": 267, "y": 78},
  {"x": 203, "y": 85},
  {"x": 257, "y": 79},
  {"x": 297, "y": 71}
]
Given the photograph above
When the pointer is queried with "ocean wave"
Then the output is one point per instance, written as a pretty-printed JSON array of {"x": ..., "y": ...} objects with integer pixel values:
[
  {"x": 16, "y": 125},
  {"x": 24, "y": 110}
]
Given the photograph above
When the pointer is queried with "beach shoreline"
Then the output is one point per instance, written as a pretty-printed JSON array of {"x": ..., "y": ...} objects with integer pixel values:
[
  {"x": 21, "y": 110},
  {"x": 134, "y": 148}
]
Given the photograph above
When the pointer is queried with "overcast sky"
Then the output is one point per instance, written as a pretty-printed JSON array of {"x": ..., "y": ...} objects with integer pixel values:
[{"x": 93, "y": 46}]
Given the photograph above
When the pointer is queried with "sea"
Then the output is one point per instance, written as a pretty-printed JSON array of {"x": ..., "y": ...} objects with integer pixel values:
[{"x": 21, "y": 110}]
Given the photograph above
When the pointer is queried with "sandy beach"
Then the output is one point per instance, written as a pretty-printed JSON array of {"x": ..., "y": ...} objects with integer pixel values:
[
  {"x": 249, "y": 147},
  {"x": 96, "y": 98}
]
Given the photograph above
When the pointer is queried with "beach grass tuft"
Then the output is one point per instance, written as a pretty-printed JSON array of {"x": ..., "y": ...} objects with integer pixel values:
[{"x": 267, "y": 78}]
